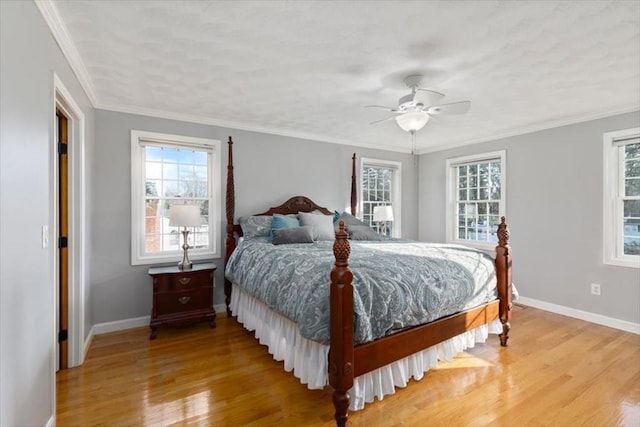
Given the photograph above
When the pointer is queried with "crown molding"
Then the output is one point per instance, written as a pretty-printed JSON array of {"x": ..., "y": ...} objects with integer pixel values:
[
  {"x": 60, "y": 33},
  {"x": 243, "y": 126},
  {"x": 531, "y": 129}
]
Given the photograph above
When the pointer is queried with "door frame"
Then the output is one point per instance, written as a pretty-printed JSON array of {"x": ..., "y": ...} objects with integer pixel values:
[{"x": 63, "y": 101}]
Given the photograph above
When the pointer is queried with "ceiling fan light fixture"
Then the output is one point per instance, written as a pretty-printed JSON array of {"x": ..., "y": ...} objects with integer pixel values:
[{"x": 412, "y": 121}]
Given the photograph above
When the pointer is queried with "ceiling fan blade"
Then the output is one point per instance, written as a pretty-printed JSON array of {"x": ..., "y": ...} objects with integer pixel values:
[
  {"x": 383, "y": 120},
  {"x": 383, "y": 107},
  {"x": 453, "y": 108},
  {"x": 427, "y": 97}
]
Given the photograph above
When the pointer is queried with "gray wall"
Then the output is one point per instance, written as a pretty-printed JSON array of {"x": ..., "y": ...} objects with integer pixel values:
[
  {"x": 268, "y": 170},
  {"x": 29, "y": 56},
  {"x": 554, "y": 211}
]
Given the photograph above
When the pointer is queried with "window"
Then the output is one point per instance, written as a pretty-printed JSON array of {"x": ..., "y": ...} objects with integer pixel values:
[
  {"x": 622, "y": 197},
  {"x": 476, "y": 201},
  {"x": 170, "y": 169},
  {"x": 381, "y": 186}
]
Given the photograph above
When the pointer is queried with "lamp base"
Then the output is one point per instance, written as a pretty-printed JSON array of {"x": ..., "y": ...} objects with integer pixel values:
[{"x": 185, "y": 266}]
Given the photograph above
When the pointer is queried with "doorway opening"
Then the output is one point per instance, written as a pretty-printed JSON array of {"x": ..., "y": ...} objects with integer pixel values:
[{"x": 62, "y": 239}]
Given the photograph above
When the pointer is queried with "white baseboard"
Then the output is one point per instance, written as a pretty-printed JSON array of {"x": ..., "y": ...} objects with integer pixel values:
[
  {"x": 87, "y": 343},
  {"x": 51, "y": 422},
  {"x": 136, "y": 322},
  {"x": 121, "y": 325},
  {"x": 582, "y": 315}
]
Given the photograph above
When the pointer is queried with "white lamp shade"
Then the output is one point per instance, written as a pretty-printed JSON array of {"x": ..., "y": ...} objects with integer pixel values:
[
  {"x": 184, "y": 216},
  {"x": 412, "y": 121},
  {"x": 383, "y": 213}
]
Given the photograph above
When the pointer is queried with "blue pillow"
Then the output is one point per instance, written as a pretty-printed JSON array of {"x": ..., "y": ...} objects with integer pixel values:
[
  {"x": 283, "y": 221},
  {"x": 336, "y": 216}
]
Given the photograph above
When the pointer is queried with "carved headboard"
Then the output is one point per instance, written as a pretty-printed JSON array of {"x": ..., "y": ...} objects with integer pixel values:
[{"x": 296, "y": 204}]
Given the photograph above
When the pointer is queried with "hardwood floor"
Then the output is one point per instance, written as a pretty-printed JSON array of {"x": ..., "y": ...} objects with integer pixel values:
[{"x": 557, "y": 371}]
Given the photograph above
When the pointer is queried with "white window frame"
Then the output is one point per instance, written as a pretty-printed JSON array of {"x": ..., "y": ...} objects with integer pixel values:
[
  {"x": 613, "y": 224},
  {"x": 451, "y": 220},
  {"x": 138, "y": 256},
  {"x": 396, "y": 190}
]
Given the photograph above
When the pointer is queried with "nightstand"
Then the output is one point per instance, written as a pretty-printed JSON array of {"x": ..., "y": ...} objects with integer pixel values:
[{"x": 182, "y": 297}]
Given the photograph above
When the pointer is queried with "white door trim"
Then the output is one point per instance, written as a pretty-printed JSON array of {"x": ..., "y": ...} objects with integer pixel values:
[{"x": 63, "y": 100}]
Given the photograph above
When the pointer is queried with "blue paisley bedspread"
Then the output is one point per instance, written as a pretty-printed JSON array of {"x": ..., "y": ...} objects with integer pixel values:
[{"x": 397, "y": 283}]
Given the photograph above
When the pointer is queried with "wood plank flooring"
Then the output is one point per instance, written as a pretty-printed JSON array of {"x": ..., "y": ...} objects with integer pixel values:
[{"x": 557, "y": 371}]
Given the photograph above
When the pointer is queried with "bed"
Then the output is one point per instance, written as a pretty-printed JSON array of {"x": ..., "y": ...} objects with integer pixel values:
[{"x": 340, "y": 338}]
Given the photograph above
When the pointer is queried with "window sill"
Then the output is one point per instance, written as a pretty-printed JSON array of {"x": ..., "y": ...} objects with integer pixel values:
[
  {"x": 173, "y": 258},
  {"x": 623, "y": 262}
]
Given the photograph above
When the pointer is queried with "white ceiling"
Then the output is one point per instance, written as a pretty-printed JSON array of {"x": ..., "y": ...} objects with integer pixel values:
[{"x": 308, "y": 68}]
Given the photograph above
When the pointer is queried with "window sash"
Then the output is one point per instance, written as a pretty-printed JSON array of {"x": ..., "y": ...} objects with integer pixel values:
[
  {"x": 153, "y": 240},
  {"x": 474, "y": 207},
  {"x": 616, "y": 229},
  {"x": 374, "y": 191}
]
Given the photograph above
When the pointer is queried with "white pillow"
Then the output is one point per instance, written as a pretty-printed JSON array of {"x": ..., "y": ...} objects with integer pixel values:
[{"x": 322, "y": 225}]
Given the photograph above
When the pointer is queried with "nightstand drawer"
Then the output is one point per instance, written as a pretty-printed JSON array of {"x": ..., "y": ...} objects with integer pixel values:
[
  {"x": 175, "y": 302},
  {"x": 183, "y": 281},
  {"x": 182, "y": 297}
]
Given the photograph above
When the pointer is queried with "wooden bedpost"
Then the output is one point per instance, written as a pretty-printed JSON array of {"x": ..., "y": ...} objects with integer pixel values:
[
  {"x": 503, "y": 276},
  {"x": 354, "y": 191},
  {"x": 341, "y": 323},
  {"x": 230, "y": 207}
]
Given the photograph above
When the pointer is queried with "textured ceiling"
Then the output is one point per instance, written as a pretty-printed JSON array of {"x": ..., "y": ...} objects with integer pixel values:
[{"x": 307, "y": 68}]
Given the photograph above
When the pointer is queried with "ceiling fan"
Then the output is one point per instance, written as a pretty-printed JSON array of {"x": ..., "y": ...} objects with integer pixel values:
[{"x": 414, "y": 109}]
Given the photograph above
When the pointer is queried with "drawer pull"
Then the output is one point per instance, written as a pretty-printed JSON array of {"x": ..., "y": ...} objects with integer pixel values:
[
  {"x": 184, "y": 300},
  {"x": 184, "y": 280}
]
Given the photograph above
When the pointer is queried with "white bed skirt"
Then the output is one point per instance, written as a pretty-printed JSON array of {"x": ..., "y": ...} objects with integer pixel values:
[{"x": 308, "y": 359}]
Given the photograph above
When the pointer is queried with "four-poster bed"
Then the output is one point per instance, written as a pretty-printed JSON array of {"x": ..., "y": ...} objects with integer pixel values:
[{"x": 350, "y": 358}]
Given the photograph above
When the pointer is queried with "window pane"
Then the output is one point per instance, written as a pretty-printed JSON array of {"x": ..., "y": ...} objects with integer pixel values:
[
  {"x": 186, "y": 156},
  {"x": 186, "y": 172},
  {"x": 153, "y": 154},
  {"x": 632, "y": 187},
  {"x": 200, "y": 158},
  {"x": 170, "y": 189},
  {"x": 632, "y": 209},
  {"x": 152, "y": 188},
  {"x": 153, "y": 170},
  {"x": 631, "y": 245},
  {"x": 169, "y": 171},
  {"x": 170, "y": 155},
  {"x": 462, "y": 234},
  {"x": 632, "y": 151}
]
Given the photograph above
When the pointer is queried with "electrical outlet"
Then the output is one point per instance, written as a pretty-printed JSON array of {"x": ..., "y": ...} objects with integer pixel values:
[{"x": 595, "y": 289}]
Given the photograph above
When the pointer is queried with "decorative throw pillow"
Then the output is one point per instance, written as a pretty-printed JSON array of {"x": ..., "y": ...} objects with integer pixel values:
[
  {"x": 336, "y": 216},
  {"x": 255, "y": 226},
  {"x": 348, "y": 220},
  {"x": 322, "y": 225},
  {"x": 287, "y": 236},
  {"x": 283, "y": 221},
  {"x": 362, "y": 232}
]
